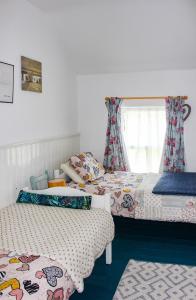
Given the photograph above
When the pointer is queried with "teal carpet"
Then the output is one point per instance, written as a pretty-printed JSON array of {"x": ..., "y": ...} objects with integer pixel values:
[{"x": 140, "y": 240}]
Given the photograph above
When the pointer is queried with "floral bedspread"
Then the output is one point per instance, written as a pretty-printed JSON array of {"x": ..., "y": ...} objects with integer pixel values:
[
  {"x": 123, "y": 187},
  {"x": 25, "y": 277},
  {"x": 131, "y": 196}
]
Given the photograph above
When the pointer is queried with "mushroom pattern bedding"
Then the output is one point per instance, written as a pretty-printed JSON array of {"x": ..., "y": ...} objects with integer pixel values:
[
  {"x": 48, "y": 251},
  {"x": 131, "y": 196}
]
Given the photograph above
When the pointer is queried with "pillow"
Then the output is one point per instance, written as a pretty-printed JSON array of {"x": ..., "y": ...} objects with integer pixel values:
[
  {"x": 69, "y": 170},
  {"x": 86, "y": 166},
  {"x": 39, "y": 182},
  {"x": 76, "y": 202},
  {"x": 98, "y": 201}
]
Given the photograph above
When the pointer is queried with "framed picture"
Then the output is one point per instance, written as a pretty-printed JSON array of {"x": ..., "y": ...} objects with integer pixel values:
[
  {"x": 6, "y": 82},
  {"x": 31, "y": 75}
]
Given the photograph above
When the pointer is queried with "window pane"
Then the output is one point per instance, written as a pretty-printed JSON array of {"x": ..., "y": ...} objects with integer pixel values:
[{"x": 144, "y": 133}]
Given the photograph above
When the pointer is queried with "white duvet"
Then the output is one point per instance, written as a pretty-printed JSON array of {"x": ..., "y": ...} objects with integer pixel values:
[{"x": 74, "y": 238}]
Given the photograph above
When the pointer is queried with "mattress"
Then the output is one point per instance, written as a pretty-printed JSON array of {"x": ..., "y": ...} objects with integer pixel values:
[
  {"x": 131, "y": 196},
  {"x": 68, "y": 239}
]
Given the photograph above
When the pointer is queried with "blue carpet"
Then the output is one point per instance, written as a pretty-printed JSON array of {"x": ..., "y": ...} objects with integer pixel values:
[{"x": 140, "y": 240}]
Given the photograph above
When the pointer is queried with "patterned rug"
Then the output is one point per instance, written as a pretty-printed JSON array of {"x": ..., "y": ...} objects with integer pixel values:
[{"x": 155, "y": 281}]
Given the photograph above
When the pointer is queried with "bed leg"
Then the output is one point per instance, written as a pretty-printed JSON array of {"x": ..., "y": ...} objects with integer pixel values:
[{"x": 109, "y": 254}]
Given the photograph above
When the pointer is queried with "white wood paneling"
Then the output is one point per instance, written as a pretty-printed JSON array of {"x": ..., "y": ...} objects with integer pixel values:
[{"x": 19, "y": 161}]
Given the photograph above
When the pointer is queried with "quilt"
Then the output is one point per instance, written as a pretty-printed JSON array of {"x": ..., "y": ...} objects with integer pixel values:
[
  {"x": 25, "y": 277},
  {"x": 123, "y": 187},
  {"x": 131, "y": 196}
]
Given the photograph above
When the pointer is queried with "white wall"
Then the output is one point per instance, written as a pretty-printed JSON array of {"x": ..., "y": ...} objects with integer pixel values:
[
  {"x": 92, "y": 90},
  {"x": 25, "y": 31}
]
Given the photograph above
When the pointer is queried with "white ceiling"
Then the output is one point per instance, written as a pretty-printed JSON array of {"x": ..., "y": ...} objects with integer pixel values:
[
  {"x": 125, "y": 35},
  {"x": 58, "y": 5}
]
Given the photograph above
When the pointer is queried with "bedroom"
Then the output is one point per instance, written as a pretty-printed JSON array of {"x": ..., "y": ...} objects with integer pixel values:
[{"x": 90, "y": 50}]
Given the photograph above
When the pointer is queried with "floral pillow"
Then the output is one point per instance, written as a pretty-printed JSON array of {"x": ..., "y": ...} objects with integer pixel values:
[{"x": 87, "y": 167}]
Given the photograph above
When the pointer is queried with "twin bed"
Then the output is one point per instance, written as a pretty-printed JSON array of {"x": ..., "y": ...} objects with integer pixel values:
[
  {"x": 46, "y": 252},
  {"x": 131, "y": 196}
]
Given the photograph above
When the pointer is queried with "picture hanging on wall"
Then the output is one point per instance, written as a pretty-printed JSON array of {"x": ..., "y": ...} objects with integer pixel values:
[
  {"x": 31, "y": 74},
  {"x": 6, "y": 82}
]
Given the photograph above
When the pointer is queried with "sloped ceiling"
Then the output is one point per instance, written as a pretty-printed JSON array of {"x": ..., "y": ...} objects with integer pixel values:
[{"x": 125, "y": 35}]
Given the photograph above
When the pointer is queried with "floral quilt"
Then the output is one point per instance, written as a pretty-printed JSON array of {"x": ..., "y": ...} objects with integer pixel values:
[
  {"x": 123, "y": 187},
  {"x": 131, "y": 196},
  {"x": 24, "y": 277}
]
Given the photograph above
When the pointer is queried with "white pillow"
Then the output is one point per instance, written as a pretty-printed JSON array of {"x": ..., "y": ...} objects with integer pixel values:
[
  {"x": 69, "y": 170},
  {"x": 98, "y": 201}
]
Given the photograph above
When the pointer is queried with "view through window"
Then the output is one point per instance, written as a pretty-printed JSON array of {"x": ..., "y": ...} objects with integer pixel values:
[{"x": 144, "y": 133}]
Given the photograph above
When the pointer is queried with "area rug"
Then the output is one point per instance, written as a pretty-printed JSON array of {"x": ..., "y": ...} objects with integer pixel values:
[{"x": 155, "y": 281}]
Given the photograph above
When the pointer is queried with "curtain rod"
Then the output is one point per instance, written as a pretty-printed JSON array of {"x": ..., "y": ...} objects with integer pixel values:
[{"x": 145, "y": 98}]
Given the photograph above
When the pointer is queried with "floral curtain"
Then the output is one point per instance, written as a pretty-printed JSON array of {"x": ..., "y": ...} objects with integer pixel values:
[
  {"x": 114, "y": 157},
  {"x": 174, "y": 142}
]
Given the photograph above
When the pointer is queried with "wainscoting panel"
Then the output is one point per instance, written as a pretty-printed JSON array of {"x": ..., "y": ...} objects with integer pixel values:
[{"x": 19, "y": 161}]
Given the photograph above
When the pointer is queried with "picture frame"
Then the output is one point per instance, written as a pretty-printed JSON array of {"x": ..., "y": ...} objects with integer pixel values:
[
  {"x": 6, "y": 83},
  {"x": 31, "y": 75}
]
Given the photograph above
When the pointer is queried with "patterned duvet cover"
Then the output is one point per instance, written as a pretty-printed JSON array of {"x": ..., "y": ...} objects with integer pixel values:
[
  {"x": 24, "y": 277},
  {"x": 121, "y": 185},
  {"x": 131, "y": 196}
]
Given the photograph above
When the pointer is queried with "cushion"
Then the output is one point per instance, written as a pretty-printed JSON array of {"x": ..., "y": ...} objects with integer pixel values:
[
  {"x": 86, "y": 166},
  {"x": 39, "y": 182},
  {"x": 98, "y": 201},
  {"x": 76, "y": 202},
  {"x": 69, "y": 171},
  {"x": 176, "y": 184}
]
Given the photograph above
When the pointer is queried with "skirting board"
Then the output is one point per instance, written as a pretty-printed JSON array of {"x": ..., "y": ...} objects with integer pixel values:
[{"x": 19, "y": 161}]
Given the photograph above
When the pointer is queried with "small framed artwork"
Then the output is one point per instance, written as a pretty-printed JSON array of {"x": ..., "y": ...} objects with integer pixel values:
[
  {"x": 31, "y": 74},
  {"x": 6, "y": 82}
]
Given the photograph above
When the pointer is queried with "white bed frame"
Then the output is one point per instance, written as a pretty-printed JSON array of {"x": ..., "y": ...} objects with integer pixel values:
[
  {"x": 104, "y": 203},
  {"x": 108, "y": 250}
]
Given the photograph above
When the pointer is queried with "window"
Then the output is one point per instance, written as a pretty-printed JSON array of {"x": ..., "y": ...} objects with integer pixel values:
[{"x": 144, "y": 133}]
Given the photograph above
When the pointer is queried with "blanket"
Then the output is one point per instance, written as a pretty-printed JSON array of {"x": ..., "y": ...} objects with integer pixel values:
[{"x": 176, "y": 184}]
